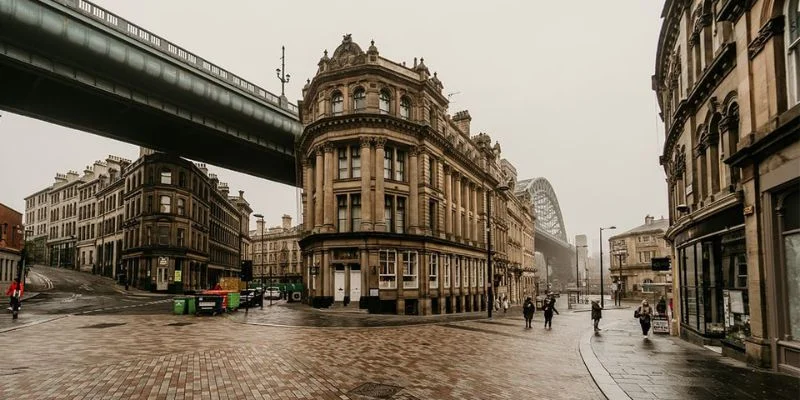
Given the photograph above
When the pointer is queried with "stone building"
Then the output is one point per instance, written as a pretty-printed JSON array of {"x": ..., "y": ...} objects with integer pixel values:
[
  {"x": 12, "y": 236},
  {"x": 62, "y": 237},
  {"x": 276, "y": 252},
  {"x": 37, "y": 216},
  {"x": 727, "y": 84},
  {"x": 630, "y": 266},
  {"x": 395, "y": 190}
]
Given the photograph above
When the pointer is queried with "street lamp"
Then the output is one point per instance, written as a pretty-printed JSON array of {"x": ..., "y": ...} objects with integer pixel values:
[
  {"x": 263, "y": 287},
  {"x": 489, "y": 270},
  {"x": 602, "y": 303},
  {"x": 577, "y": 274},
  {"x": 621, "y": 253}
]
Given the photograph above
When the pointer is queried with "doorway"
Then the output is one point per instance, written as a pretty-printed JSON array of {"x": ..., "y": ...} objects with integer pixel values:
[
  {"x": 162, "y": 281},
  {"x": 355, "y": 282},
  {"x": 338, "y": 283}
]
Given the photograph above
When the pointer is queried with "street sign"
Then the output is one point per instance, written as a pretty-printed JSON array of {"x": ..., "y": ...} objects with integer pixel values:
[
  {"x": 162, "y": 261},
  {"x": 660, "y": 264}
]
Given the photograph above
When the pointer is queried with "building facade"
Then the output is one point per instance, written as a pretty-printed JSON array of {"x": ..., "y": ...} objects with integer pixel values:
[
  {"x": 727, "y": 85},
  {"x": 631, "y": 253},
  {"x": 12, "y": 236},
  {"x": 395, "y": 190},
  {"x": 276, "y": 253},
  {"x": 37, "y": 216}
]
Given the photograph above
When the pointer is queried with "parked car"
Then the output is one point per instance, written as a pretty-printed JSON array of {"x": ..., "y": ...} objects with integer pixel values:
[
  {"x": 272, "y": 292},
  {"x": 250, "y": 298}
]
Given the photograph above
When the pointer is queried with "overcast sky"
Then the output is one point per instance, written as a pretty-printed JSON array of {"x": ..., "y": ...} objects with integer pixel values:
[{"x": 563, "y": 85}]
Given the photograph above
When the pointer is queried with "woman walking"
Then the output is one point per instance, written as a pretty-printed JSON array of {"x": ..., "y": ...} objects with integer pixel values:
[
  {"x": 644, "y": 313},
  {"x": 527, "y": 310},
  {"x": 597, "y": 313},
  {"x": 549, "y": 308},
  {"x": 505, "y": 304}
]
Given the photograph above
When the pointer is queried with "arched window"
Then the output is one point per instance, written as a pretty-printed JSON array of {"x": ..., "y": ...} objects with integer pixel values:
[
  {"x": 384, "y": 102},
  {"x": 359, "y": 100},
  {"x": 793, "y": 48},
  {"x": 337, "y": 103},
  {"x": 405, "y": 108}
]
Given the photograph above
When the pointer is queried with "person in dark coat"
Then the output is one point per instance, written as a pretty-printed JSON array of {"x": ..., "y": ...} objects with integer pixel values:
[
  {"x": 597, "y": 313},
  {"x": 661, "y": 307},
  {"x": 528, "y": 309},
  {"x": 549, "y": 308}
]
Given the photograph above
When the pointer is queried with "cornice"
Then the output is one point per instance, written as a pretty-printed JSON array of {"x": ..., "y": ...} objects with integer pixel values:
[
  {"x": 773, "y": 27},
  {"x": 670, "y": 28},
  {"x": 732, "y": 10}
]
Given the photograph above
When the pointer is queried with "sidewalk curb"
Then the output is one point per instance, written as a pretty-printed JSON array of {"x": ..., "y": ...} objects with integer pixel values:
[
  {"x": 14, "y": 328},
  {"x": 31, "y": 296},
  {"x": 611, "y": 390}
]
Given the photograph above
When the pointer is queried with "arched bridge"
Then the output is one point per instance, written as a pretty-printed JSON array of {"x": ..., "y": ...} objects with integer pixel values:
[
  {"x": 550, "y": 238},
  {"x": 73, "y": 63}
]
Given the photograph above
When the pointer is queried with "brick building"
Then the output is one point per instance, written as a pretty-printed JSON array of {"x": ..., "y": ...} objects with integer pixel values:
[{"x": 12, "y": 236}]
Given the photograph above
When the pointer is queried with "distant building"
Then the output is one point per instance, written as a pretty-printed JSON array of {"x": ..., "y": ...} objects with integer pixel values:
[
  {"x": 12, "y": 235},
  {"x": 276, "y": 252},
  {"x": 630, "y": 254}
]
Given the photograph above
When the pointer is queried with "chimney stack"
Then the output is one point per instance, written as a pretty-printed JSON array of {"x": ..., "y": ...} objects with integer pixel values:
[
  {"x": 286, "y": 222},
  {"x": 462, "y": 120},
  {"x": 259, "y": 226}
]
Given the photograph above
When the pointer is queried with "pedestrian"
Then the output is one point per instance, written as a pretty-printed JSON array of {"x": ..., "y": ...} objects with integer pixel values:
[
  {"x": 125, "y": 277},
  {"x": 661, "y": 307},
  {"x": 528, "y": 309},
  {"x": 217, "y": 286},
  {"x": 644, "y": 313},
  {"x": 505, "y": 304},
  {"x": 497, "y": 303},
  {"x": 14, "y": 293},
  {"x": 549, "y": 308},
  {"x": 597, "y": 313}
]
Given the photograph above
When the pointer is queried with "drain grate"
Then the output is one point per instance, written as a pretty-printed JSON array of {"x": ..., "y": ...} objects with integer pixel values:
[
  {"x": 376, "y": 390},
  {"x": 180, "y": 323},
  {"x": 103, "y": 325}
]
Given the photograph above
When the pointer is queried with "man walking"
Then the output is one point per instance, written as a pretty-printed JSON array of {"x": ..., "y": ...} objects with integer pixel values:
[
  {"x": 528, "y": 309},
  {"x": 597, "y": 313}
]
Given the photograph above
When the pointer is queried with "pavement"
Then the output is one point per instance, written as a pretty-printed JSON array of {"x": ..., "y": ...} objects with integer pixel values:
[{"x": 626, "y": 366}]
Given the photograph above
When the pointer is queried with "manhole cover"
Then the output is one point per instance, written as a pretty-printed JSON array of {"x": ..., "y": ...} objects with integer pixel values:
[
  {"x": 376, "y": 390},
  {"x": 103, "y": 326},
  {"x": 180, "y": 323}
]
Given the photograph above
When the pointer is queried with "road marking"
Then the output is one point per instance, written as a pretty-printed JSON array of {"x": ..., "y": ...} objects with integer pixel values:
[{"x": 124, "y": 307}]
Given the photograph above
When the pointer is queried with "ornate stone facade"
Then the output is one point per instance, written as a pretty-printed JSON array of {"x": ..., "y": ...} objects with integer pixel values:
[
  {"x": 727, "y": 84},
  {"x": 394, "y": 189}
]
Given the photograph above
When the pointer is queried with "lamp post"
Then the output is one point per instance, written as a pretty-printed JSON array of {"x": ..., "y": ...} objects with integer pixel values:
[
  {"x": 489, "y": 269},
  {"x": 264, "y": 287},
  {"x": 621, "y": 253},
  {"x": 577, "y": 274},
  {"x": 282, "y": 75},
  {"x": 602, "y": 303}
]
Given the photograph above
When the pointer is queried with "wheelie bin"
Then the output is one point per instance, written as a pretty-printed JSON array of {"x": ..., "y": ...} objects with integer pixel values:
[
  {"x": 191, "y": 305},
  {"x": 233, "y": 300},
  {"x": 179, "y": 306}
]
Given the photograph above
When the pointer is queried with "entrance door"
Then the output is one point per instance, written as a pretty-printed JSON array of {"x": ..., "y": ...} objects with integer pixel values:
[
  {"x": 162, "y": 280},
  {"x": 338, "y": 284},
  {"x": 355, "y": 283}
]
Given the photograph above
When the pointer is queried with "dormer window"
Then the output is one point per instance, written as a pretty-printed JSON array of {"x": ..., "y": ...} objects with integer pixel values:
[
  {"x": 337, "y": 103},
  {"x": 359, "y": 100},
  {"x": 405, "y": 108},
  {"x": 384, "y": 102}
]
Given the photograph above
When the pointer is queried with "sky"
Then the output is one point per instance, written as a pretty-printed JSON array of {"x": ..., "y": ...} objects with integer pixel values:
[{"x": 564, "y": 86}]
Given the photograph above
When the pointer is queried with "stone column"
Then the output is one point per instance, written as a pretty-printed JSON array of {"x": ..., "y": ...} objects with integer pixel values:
[
  {"x": 474, "y": 201},
  {"x": 329, "y": 209},
  {"x": 713, "y": 164},
  {"x": 413, "y": 192},
  {"x": 458, "y": 192},
  {"x": 366, "y": 182},
  {"x": 380, "y": 220},
  {"x": 401, "y": 302},
  {"x": 308, "y": 188},
  {"x": 448, "y": 201},
  {"x": 318, "y": 196}
]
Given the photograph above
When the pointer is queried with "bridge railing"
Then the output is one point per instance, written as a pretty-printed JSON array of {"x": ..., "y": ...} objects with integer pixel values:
[{"x": 171, "y": 50}]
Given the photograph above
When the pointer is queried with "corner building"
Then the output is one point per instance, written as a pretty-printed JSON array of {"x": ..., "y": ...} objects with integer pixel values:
[
  {"x": 727, "y": 84},
  {"x": 394, "y": 189}
]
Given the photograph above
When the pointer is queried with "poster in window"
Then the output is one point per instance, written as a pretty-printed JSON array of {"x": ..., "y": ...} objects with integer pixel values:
[
  {"x": 737, "y": 303},
  {"x": 726, "y": 303}
]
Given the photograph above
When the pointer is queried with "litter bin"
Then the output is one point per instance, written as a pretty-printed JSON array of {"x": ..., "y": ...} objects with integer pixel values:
[
  {"x": 233, "y": 300},
  {"x": 191, "y": 305},
  {"x": 179, "y": 306}
]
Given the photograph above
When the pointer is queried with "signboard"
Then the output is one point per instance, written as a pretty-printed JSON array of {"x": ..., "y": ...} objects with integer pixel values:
[
  {"x": 660, "y": 324},
  {"x": 726, "y": 303},
  {"x": 660, "y": 263},
  {"x": 163, "y": 261},
  {"x": 737, "y": 302},
  {"x": 178, "y": 276},
  {"x": 373, "y": 292}
]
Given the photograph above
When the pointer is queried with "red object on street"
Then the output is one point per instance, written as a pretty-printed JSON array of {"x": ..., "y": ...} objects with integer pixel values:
[
  {"x": 13, "y": 287},
  {"x": 222, "y": 293}
]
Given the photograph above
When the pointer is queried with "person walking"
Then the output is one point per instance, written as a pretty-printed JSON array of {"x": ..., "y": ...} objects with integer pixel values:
[
  {"x": 528, "y": 309},
  {"x": 497, "y": 303},
  {"x": 644, "y": 313},
  {"x": 14, "y": 294},
  {"x": 549, "y": 308},
  {"x": 597, "y": 313},
  {"x": 505, "y": 304},
  {"x": 661, "y": 307}
]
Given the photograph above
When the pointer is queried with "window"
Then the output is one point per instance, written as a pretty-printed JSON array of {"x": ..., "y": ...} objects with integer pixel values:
[
  {"x": 355, "y": 161},
  {"x": 446, "y": 270},
  {"x": 181, "y": 238},
  {"x": 359, "y": 99},
  {"x": 388, "y": 212},
  {"x": 384, "y": 102},
  {"x": 341, "y": 205},
  {"x": 405, "y": 108},
  {"x": 431, "y": 171},
  {"x": 793, "y": 46},
  {"x": 388, "y": 273},
  {"x": 457, "y": 266},
  {"x": 355, "y": 212},
  {"x": 400, "y": 220},
  {"x": 433, "y": 209},
  {"x": 166, "y": 177},
  {"x": 343, "y": 163},
  {"x": 181, "y": 207},
  {"x": 647, "y": 286},
  {"x": 149, "y": 235},
  {"x": 789, "y": 227},
  {"x": 165, "y": 204},
  {"x": 465, "y": 272},
  {"x": 337, "y": 103},
  {"x": 433, "y": 271},
  {"x": 149, "y": 205},
  {"x": 182, "y": 179},
  {"x": 410, "y": 270},
  {"x": 399, "y": 173},
  {"x": 163, "y": 236},
  {"x": 473, "y": 272},
  {"x": 388, "y": 162}
]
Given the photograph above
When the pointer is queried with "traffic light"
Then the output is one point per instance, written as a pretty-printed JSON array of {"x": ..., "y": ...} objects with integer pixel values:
[{"x": 247, "y": 271}]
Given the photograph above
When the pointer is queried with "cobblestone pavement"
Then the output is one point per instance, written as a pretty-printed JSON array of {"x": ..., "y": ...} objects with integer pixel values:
[
  {"x": 665, "y": 367},
  {"x": 182, "y": 357}
]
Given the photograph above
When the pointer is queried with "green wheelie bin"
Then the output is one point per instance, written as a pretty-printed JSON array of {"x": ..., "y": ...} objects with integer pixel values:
[
  {"x": 191, "y": 305},
  {"x": 179, "y": 306},
  {"x": 233, "y": 300}
]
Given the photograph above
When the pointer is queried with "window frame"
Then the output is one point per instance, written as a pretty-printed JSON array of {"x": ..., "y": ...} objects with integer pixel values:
[
  {"x": 387, "y": 268},
  {"x": 410, "y": 262},
  {"x": 359, "y": 99},
  {"x": 165, "y": 174},
  {"x": 384, "y": 101},
  {"x": 433, "y": 270},
  {"x": 337, "y": 103},
  {"x": 405, "y": 108},
  {"x": 162, "y": 206},
  {"x": 446, "y": 271}
]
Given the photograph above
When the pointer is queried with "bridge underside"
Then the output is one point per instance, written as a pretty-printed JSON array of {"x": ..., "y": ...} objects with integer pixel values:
[
  {"x": 559, "y": 256},
  {"x": 35, "y": 94}
]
